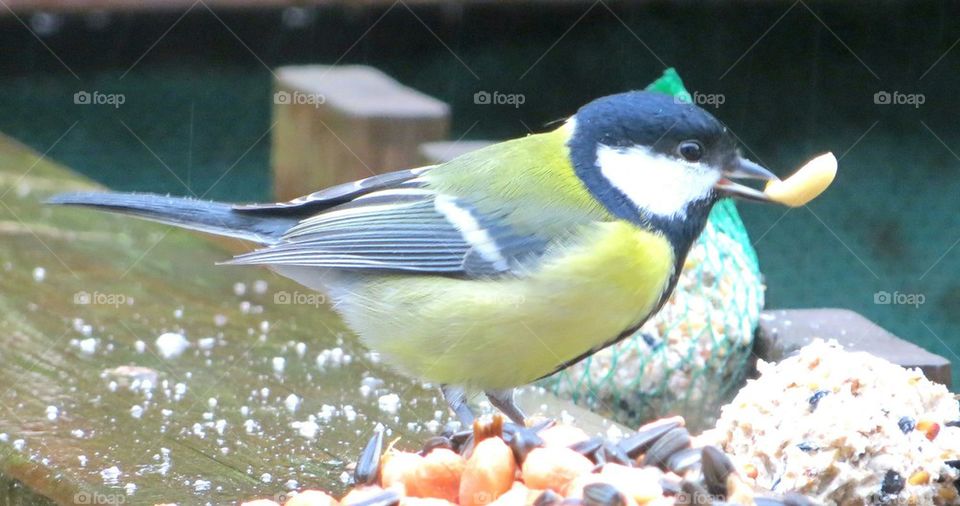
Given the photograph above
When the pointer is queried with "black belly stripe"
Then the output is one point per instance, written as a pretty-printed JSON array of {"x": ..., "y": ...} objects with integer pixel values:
[
  {"x": 681, "y": 235},
  {"x": 628, "y": 332}
]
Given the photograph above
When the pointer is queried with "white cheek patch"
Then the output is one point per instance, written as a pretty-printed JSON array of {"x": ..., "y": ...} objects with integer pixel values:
[{"x": 654, "y": 182}]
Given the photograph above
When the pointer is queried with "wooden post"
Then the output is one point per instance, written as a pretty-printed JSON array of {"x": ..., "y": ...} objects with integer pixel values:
[{"x": 338, "y": 124}]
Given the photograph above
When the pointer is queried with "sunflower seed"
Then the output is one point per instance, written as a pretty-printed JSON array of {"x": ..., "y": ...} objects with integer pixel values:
[
  {"x": 673, "y": 441},
  {"x": 368, "y": 466}
]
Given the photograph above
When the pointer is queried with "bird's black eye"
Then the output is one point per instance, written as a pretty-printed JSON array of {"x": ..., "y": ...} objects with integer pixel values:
[{"x": 691, "y": 151}]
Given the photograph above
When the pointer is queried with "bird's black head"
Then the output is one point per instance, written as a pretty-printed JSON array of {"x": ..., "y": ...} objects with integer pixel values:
[{"x": 652, "y": 159}]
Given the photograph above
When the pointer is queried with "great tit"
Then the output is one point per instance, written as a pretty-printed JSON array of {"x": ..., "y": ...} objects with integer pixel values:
[{"x": 506, "y": 264}]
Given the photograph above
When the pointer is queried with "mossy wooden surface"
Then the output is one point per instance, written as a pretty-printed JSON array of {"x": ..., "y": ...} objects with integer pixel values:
[{"x": 68, "y": 276}]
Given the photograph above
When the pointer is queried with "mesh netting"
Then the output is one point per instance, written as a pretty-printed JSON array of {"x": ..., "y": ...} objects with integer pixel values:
[{"x": 690, "y": 358}]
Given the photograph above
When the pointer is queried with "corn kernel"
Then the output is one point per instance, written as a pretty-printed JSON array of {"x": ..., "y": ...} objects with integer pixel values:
[
  {"x": 919, "y": 478},
  {"x": 929, "y": 428}
]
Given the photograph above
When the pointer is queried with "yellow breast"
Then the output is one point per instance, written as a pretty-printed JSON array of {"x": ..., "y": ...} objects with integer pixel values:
[{"x": 502, "y": 333}]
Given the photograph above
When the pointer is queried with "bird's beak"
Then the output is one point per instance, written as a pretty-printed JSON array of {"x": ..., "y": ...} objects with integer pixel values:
[{"x": 741, "y": 168}]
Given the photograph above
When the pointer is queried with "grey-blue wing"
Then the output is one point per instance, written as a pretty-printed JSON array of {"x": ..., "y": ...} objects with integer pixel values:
[
  {"x": 407, "y": 228},
  {"x": 339, "y": 194}
]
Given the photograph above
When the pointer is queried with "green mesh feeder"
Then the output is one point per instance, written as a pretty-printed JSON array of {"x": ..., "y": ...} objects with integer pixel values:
[{"x": 690, "y": 358}]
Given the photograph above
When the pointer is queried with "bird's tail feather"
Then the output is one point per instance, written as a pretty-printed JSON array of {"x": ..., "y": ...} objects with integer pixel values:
[{"x": 212, "y": 217}]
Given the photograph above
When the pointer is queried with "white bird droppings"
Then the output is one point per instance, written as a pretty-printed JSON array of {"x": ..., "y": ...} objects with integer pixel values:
[
  {"x": 171, "y": 344},
  {"x": 88, "y": 346},
  {"x": 111, "y": 475},
  {"x": 292, "y": 402},
  {"x": 389, "y": 403},
  {"x": 307, "y": 429}
]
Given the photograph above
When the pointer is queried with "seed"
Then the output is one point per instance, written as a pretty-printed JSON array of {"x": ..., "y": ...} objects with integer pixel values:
[
  {"x": 692, "y": 494},
  {"x": 434, "y": 443},
  {"x": 368, "y": 467},
  {"x": 717, "y": 466},
  {"x": 683, "y": 460},
  {"x": 438, "y": 475},
  {"x": 907, "y": 424},
  {"x": 919, "y": 478},
  {"x": 311, "y": 498},
  {"x": 613, "y": 454},
  {"x": 562, "y": 435},
  {"x": 554, "y": 468},
  {"x": 522, "y": 442},
  {"x": 588, "y": 448},
  {"x": 929, "y": 428},
  {"x": 647, "y": 435},
  {"x": 488, "y": 473},
  {"x": 483, "y": 430},
  {"x": 738, "y": 492},
  {"x": 516, "y": 496},
  {"x": 948, "y": 494},
  {"x": 548, "y": 498},
  {"x": 602, "y": 494},
  {"x": 371, "y": 496},
  {"x": 399, "y": 470},
  {"x": 460, "y": 439},
  {"x": 673, "y": 441},
  {"x": 892, "y": 483},
  {"x": 815, "y": 398},
  {"x": 640, "y": 485},
  {"x": 670, "y": 485}
]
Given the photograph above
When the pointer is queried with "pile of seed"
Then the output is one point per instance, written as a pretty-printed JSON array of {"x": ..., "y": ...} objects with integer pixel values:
[
  {"x": 547, "y": 464},
  {"x": 845, "y": 428}
]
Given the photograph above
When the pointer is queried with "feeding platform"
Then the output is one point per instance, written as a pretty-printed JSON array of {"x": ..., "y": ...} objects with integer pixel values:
[{"x": 136, "y": 371}]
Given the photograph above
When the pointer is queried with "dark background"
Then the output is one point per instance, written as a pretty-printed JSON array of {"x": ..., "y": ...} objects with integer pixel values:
[{"x": 797, "y": 78}]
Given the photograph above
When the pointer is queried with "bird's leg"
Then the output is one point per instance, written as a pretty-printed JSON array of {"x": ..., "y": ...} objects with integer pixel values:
[
  {"x": 457, "y": 400},
  {"x": 504, "y": 401}
]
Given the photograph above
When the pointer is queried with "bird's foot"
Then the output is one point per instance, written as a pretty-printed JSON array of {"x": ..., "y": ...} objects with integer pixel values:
[
  {"x": 505, "y": 401},
  {"x": 457, "y": 400}
]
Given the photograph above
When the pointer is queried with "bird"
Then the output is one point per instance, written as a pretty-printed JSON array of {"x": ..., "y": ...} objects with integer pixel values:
[{"x": 505, "y": 264}]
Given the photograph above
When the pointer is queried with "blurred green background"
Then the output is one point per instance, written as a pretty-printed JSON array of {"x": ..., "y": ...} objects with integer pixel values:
[{"x": 796, "y": 79}]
